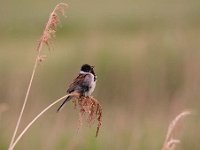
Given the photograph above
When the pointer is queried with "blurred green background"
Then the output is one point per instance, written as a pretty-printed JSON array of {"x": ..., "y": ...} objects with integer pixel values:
[{"x": 147, "y": 59}]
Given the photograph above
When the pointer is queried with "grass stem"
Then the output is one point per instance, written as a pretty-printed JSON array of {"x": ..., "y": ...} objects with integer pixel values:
[
  {"x": 46, "y": 37},
  {"x": 25, "y": 101},
  {"x": 39, "y": 115}
]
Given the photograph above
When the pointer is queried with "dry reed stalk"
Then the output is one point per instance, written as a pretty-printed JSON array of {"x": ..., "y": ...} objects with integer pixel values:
[
  {"x": 92, "y": 108},
  {"x": 170, "y": 142},
  {"x": 37, "y": 117},
  {"x": 87, "y": 105},
  {"x": 47, "y": 36}
]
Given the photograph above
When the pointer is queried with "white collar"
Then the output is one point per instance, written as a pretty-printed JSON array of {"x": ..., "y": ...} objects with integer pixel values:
[{"x": 83, "y": 72}]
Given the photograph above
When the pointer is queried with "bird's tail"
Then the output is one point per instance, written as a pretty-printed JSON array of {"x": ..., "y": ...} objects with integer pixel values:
[{"x": 66, "y": 100}]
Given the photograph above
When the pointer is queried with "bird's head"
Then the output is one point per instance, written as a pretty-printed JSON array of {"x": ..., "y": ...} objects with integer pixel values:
[{"x": 87, "y": 68}]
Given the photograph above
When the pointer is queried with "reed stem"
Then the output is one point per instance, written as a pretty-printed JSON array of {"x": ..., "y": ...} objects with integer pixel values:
[{"x": 38, "y": 116}]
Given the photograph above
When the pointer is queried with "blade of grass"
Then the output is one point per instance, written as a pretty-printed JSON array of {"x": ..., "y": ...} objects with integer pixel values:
[{"x": 38, "y": 116}]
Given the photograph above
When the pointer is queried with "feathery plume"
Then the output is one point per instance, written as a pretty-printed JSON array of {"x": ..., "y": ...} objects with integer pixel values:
[
  {"x": 91, "y": 108},
  {"x": 170, "y": 142},
  {"x": 51, "y": 26}
]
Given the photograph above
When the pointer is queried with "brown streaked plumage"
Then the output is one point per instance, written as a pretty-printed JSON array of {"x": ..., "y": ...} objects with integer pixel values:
[{"x": 84, "y": 84}]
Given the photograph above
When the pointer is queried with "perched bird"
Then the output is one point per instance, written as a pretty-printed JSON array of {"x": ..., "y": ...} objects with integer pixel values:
[{"x": 84, "y": 84}]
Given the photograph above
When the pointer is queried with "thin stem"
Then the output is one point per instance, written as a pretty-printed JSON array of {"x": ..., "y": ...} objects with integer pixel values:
[
  {"x": 25, "y": 101},
  {"x": 49, "y": 29},
  {"x": 39, "y": 115}
]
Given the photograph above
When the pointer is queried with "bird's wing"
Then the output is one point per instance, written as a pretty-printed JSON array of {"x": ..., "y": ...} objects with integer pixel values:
[{"x": 81, "y": 80}]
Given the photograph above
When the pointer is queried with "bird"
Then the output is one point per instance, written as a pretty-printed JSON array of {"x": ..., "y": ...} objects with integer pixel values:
[{"x": 84, "y": 84}]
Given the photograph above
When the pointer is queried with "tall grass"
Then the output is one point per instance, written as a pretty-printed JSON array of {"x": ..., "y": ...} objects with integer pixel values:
[
  {"x": 88, "y": 105},
  {"x": 31, "y": 123},
  {"x": 170, "y": 141},
  {"x": 46, "y": 38}
]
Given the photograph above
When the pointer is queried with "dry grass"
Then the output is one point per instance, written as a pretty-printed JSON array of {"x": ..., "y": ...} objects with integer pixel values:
[
  {"x": 170, "y": 141},
  {"x": 51, "y": 26},
  {"x": 88, "y": 105},
  {"x": 46, "y": 38},
  {"x": 36, "y": 118},
  {"x": 91, "y": 108},
  {"x": 156, "y": 48}
]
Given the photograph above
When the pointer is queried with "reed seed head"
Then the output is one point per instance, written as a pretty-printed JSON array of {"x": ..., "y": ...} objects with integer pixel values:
[
  {"x": 170, "y": 142},
  {"x": 91, "y": 108},
  {"x": 51, "y": 26}
]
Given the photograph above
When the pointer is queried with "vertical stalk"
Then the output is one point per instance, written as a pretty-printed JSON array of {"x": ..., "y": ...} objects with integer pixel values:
[
  {"x": 46, "y": 37},
  {"x": 26, "y": 97}
]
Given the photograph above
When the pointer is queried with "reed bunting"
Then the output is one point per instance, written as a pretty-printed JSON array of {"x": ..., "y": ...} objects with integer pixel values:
[{"x": 84, "y": 84}]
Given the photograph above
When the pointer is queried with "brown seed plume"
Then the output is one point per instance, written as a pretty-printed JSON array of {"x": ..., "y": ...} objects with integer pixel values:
[
  {"x": 91, "y": 108},
  {"x": 51, "y": 26}
]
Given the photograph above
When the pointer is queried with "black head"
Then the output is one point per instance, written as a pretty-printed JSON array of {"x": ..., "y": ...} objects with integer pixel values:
[{"x": 87, "y": 68}]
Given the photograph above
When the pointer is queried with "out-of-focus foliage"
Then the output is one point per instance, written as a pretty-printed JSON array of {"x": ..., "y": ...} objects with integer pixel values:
[{"x": 146, "y": 55}]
